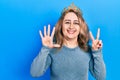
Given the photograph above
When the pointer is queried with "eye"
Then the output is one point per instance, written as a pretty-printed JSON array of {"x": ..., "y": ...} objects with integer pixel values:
[
  {"x": 76, "y": 23},
  {"x": 67, "y": 22}
]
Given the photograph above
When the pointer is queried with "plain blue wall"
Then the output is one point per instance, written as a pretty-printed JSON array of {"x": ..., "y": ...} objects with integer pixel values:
[{"x": 20, "y": 21}]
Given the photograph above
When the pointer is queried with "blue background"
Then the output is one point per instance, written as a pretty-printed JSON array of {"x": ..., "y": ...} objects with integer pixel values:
[{"x": 21, "y": 20}]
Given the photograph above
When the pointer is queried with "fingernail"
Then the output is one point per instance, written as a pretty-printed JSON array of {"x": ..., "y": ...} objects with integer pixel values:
[{"x": 99, "y": 44}]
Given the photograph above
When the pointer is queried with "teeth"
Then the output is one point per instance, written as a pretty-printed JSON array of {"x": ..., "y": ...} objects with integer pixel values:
[{"x": 71, "y": 31}]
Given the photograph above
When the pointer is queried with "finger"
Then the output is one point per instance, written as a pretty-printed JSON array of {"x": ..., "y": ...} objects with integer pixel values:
[
  {"x": 44, "y": 30},
  {"x": 53, "y": 32},
  {"x": 98, "y": 34},
  {"x": 91, "y": 36},
  {"x": 95, "y": 43},
  {"x": 40, "y": 34},
  {"x": 56, "y": 45},
  {"x": 49, "y": 30},
  {"x": 100, "y": 43}
]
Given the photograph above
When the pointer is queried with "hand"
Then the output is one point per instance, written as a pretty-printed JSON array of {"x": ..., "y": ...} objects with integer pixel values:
[
  {"x": 96, "y": 43},
  {"x": 47, "y": 40}
]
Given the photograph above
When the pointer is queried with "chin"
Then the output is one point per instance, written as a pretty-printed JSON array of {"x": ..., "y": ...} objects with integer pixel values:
[{"x": 71, "y": 37}]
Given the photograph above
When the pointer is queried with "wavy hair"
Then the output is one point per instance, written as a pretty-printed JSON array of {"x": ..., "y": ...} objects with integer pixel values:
[{"x": 83, "y": 37}]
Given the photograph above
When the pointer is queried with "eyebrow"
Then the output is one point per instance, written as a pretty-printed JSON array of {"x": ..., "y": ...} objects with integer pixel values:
[
  {"x": 69, "y": 20},
  {"x": 76, "y": 20}
]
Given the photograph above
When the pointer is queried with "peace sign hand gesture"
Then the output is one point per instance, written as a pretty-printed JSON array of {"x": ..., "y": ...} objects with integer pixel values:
[
  {"x": 96, "y": 43},
  {"x": 47, "y": 40}
]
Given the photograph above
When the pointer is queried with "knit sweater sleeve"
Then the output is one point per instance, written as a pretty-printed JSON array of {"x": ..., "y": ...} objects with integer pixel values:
[
  {"x": 97, "y": 66},
  {"x": 41, "y": 62}
]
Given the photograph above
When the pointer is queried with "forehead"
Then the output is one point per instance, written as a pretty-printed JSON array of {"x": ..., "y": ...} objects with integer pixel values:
[{"x": 71, "y": 16}]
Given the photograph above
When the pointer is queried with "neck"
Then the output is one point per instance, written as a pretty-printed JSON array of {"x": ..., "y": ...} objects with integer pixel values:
[{"x": 71, "y": 43}]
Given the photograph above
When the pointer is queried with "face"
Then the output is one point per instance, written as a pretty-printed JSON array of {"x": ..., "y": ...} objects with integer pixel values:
[{"x": 71, "y": 26}]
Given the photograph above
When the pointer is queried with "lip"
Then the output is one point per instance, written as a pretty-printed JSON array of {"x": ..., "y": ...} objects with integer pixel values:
[{"x": 71, "y": 31}]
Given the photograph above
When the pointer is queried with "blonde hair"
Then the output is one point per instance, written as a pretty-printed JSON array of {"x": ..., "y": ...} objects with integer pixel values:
[{"x": 83, "y": 36}]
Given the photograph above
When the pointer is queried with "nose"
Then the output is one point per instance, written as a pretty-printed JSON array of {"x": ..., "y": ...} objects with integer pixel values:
[{"x": 71, "y": 25}]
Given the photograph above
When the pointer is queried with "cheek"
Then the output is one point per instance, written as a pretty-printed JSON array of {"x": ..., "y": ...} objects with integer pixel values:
[
  {"x": 78, "y": 29},
  {"x": 64, "y": 31},
  {"x": 64, "y": 28}
]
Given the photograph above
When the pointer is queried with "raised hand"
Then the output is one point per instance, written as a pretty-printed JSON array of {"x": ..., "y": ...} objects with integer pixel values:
[
  {"x": 47, "y": 40},
  {"x": 96, "y": 43}
]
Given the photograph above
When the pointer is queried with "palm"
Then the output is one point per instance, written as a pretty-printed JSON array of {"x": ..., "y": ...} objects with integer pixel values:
[{"x": 47, "y": 40}]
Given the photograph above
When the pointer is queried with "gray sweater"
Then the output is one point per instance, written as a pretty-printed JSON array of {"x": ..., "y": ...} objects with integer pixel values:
[{"x": 69, "y": 63}]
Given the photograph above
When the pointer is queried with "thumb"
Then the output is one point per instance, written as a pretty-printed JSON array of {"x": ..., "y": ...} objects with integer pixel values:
[{"x": 56, "y": 45}]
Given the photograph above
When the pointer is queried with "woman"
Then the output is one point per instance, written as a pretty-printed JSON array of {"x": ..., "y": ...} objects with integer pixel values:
[{"x": 69, "y": 55}]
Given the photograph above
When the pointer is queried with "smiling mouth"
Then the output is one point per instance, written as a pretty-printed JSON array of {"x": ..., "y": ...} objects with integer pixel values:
[{"x": 71, "y": 31}]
